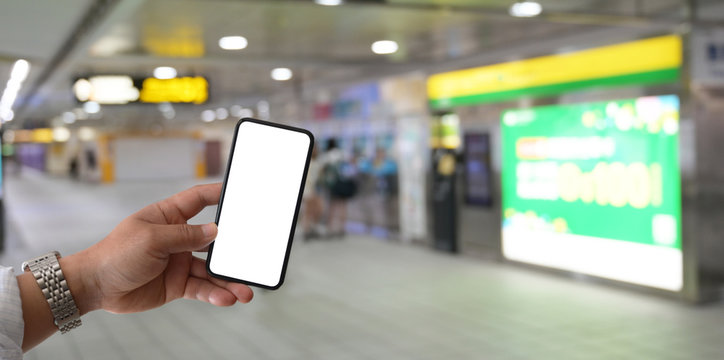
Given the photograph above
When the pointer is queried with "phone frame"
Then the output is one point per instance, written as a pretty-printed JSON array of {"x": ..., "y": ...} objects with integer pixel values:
[{"x": 296, "y": 209}]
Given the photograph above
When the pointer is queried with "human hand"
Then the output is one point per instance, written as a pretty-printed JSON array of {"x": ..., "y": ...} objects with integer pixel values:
[{"x": 146, "y": 261}]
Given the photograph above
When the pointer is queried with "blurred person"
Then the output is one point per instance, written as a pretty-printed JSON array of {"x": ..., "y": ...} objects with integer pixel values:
[
  {"x": 382, "y": 199},
  {"x": 144, "y": 263},
  {"x": 339, "y": 179},
  {"x": 312, "y": 199},
  {"x": 73, "y": 168}
]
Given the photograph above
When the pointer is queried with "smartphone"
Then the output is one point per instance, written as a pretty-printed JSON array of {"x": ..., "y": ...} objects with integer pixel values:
[{"x": 259, "y": 203}]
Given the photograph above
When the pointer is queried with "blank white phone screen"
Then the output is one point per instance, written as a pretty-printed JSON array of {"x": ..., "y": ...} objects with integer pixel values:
[{"x": 259, "y": 203}]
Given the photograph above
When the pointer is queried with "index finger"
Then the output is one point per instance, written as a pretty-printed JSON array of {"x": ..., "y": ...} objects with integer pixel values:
[{"x": 186, "y": 204}]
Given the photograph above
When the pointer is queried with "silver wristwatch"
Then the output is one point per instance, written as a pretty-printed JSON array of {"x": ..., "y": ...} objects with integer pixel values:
[{"x": 49, "y": 276}]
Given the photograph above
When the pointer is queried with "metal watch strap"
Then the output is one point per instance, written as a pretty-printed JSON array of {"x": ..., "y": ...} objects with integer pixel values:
[{"x": 49, "y": 276}]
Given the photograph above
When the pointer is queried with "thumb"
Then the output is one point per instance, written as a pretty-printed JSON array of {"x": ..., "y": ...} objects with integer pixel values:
[{"x": 176, "y": 238}]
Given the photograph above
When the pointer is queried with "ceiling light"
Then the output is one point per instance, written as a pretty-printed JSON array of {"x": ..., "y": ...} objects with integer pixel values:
[
  {"x": 328, "y": 2},
  {"x": 262, "y": 110},
  {"x": 385, "y": 47},
  {"x": 91, "y": 107},
  {"x": 233, "y": 42},
  {"x": 82, "y": 89},
  {"x": 17, "y": 75},
  {"x": 112, "y": 89},
  {"x": 235, "y": 110},
  {"x": 222, "y": 114},
  {"x": 20, "y": 70},
  {"x": 68, "y": 117},
  {"x": 525, "y": 9},
  {"x": 61, "y": 134},
  {"x": 246, "y": 113},
  {"x": 167, "y": 110},
  {"x": 208, "y": 115},
  {"x": 86, "y": 133},
  {"x": 9, "y": 136},
  {"x": 281, "y": 74},
  {"x": 164, "y": 72},
  {"x": 80, "y": 114}
]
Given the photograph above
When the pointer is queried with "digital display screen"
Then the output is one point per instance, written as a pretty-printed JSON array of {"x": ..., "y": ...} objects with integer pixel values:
[
  {"x": 258, "y": 208},
  {"x": 595, "y": 188},
  {"x": 476, "y": 150}
]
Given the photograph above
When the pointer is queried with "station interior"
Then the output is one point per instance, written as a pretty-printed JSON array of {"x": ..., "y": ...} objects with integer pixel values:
[{"x": 526, "y": 179}]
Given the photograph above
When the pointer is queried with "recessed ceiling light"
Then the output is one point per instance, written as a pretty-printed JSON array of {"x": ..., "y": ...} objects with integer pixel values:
[
  {"x": 86, "y": 134},
  {"x": 61, "y": 134},
  {"x": 328, "y": 2},
  {"x": 281, "y": 74},
  {"x": 233, "y": 42},
  {"x": 208, "y": 115},
  {"x": 164, "y": 72},
  {"x": 91, "y": 107},
  {"x": 82, "y": 89},
  {"x": 525, "y": 9},
  {"x": 385, "y": 47},
  {"x": 68, "y": 117},
  {"x": 222, "y": 114}
]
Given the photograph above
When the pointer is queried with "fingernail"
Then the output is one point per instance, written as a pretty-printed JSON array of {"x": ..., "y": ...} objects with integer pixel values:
[{"x": 209, "y": 230}]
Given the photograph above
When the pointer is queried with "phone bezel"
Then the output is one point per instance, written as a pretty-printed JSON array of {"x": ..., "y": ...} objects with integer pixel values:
[{"x": 296, "y": 209}]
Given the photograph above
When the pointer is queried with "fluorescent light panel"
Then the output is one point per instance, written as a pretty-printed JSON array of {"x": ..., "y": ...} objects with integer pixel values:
[
  {"x": 164, "y": 72},
  {"x": 383, "y": 47},
  {"x": 328, "y": 2},
  {"x": 281, "y": 74},
  {"x": 233, "y": 42},
  {"x": 525, "y": 9},
  {"x": 18, "y": 74}
]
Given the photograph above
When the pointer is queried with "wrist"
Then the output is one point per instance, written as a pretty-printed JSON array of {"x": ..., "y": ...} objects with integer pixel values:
[{"x": 80, "y": 277}]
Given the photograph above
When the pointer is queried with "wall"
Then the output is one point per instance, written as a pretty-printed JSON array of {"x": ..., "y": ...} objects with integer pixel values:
[
  {"x": 155, "y": 158},
  {"x": 706, "y": 190}
]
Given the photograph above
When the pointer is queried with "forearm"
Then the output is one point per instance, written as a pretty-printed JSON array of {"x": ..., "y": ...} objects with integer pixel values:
[
  {"x": 36, "y": 312},
  {"x": 39, "y": 323}
]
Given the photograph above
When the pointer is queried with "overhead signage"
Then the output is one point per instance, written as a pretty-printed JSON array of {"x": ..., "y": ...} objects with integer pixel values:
[
  {"x": 122, "y": 89},
  {"x": 707, "y": 57},
  {"x": 596, "y": 189},
  {"x": 177, "y": 90},
  {"x": 42, "y": 135},
  {"x": 649, "y": 61}
]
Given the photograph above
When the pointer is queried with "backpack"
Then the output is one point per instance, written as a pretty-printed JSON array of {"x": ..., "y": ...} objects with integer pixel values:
[{"x": 340, "y": 180}]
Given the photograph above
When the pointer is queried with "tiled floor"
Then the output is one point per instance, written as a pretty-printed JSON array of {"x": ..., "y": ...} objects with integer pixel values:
[{"x": 357, "y": 298}]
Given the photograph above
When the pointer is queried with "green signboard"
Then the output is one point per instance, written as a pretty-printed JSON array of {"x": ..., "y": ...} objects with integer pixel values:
[{"x": 595, "y": 188}]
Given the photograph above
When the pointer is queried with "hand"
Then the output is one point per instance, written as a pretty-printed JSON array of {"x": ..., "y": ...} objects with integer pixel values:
[{"x": 146, "y": 260}]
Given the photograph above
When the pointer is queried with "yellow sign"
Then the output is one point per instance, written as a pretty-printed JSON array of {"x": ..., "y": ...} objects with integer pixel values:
[
  {"x": 177, "y": 90},
  {"x": 644, "y": 61},
  {"x": 43, "y": 135},
  {"x": 184, "y": 41}
]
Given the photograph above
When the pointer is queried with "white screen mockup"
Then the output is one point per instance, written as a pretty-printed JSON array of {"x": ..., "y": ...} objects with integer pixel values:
[{"x": 259, "y": 203}]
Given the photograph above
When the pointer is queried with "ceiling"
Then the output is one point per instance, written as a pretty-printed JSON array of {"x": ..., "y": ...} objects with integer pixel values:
[{"x": 323, "y": 45}]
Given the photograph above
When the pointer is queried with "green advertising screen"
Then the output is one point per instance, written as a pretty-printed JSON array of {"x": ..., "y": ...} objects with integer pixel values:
[{"x": 595, "y": 188}]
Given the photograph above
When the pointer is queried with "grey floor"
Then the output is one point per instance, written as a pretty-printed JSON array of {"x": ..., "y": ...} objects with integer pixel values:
[{"x": 357, "y": 298}]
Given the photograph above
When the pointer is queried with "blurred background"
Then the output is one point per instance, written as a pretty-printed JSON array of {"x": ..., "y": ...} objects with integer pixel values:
[{"x": 493, "y": 179}]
